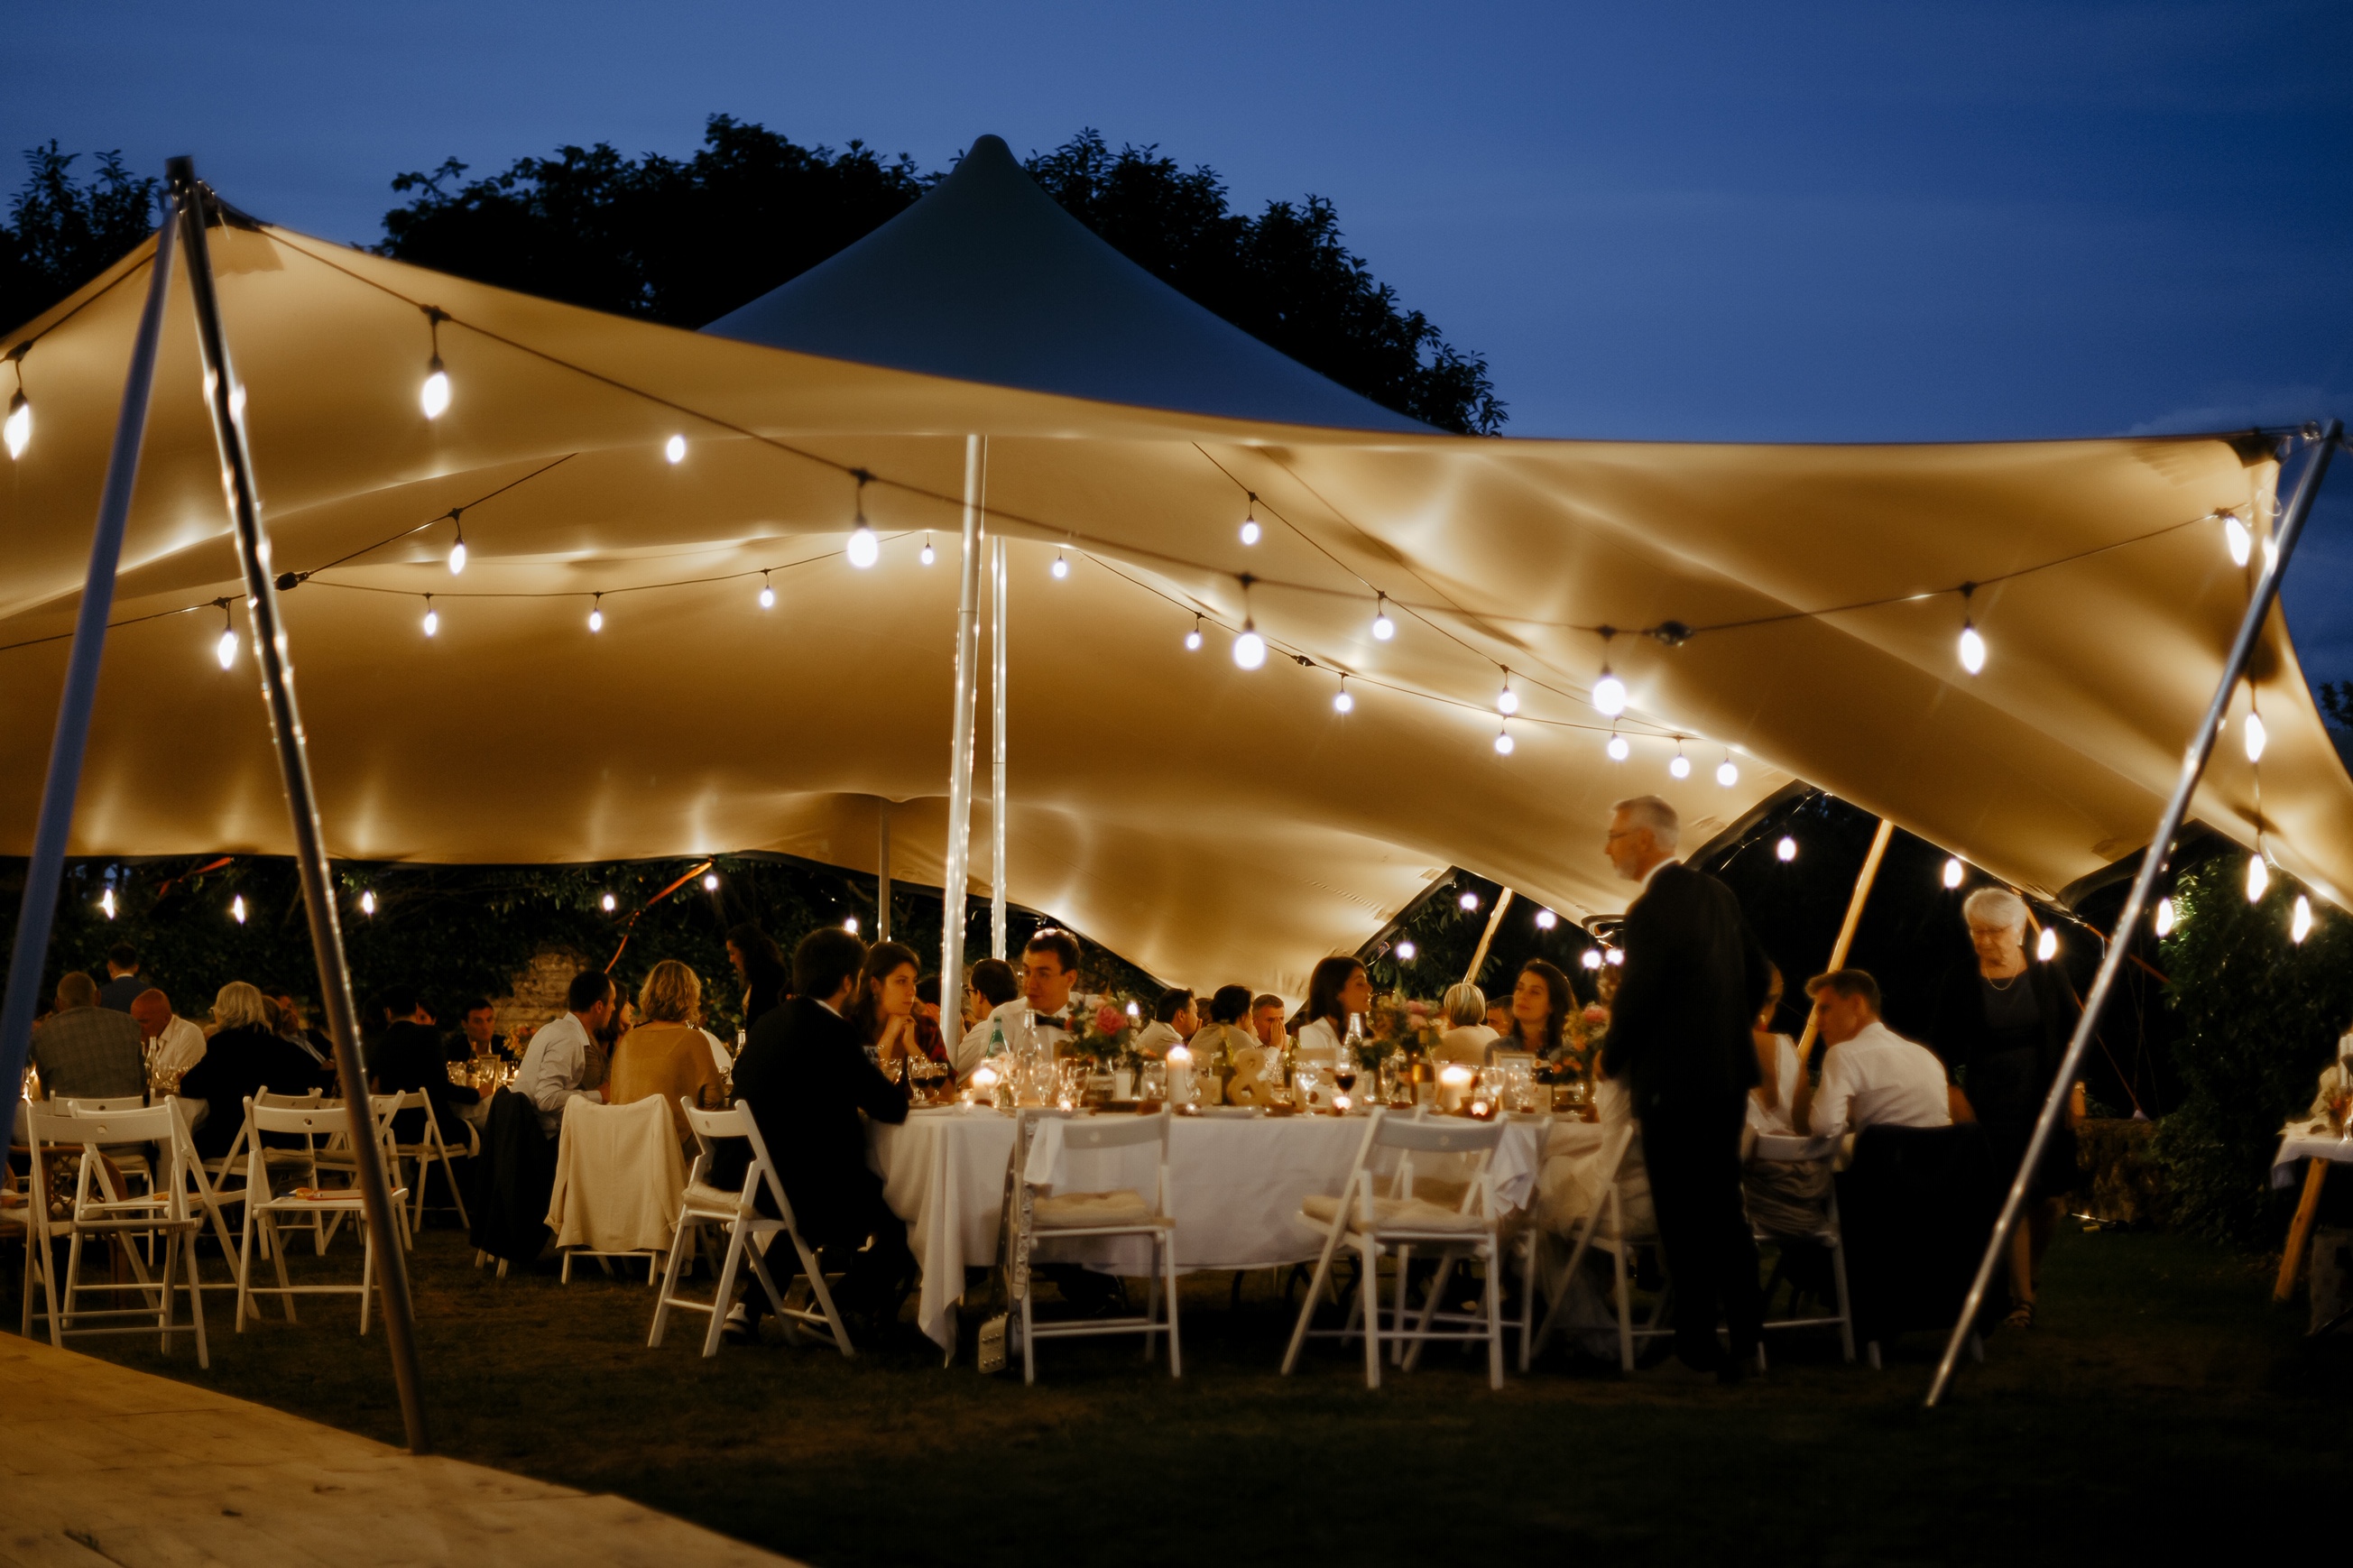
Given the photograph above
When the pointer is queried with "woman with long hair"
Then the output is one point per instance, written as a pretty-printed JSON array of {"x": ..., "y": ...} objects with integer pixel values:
[
  {"x": 245, "y": 1056},
  {"x": 760, "y": 966},
  {"x": 667, "y": 1054},
  {"x": 1337, "y": 988},
  {"x": 1542, "y": 1004},
  {"x": 883, "y": 1009}
]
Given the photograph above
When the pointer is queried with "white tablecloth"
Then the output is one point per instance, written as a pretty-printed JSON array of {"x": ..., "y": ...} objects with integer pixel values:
[
  {"x": 2302, "y": 1140},
  {"x": 1236, "y": 1187}
]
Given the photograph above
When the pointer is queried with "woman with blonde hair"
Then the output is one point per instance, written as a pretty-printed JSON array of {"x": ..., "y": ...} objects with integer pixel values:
[
  {"x": 667, "y": 1054},
  {"x": 1468, "y": 1034},
  {"x": 245, "y": 1056}
]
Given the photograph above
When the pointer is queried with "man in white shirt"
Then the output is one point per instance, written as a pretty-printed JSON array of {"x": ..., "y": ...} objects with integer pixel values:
[
  {"x": 1050, "y": 969},
  {"x": 173, "y": 1044},
  {"x": 555, "y": 1069},
  {"x": 1873, "y": 1077}
]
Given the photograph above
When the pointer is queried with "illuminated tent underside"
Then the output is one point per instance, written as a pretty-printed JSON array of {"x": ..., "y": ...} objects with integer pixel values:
[{"x": 1210, "y": 823}]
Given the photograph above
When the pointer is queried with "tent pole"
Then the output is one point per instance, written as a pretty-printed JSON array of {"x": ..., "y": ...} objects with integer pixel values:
[
  {"x": 883, "y": 870},
  {"x": 36, "y": 915},
  {"x": 2152, "y": 862},
  {"x": 272, "y": 654},
  {"x": 1863, "y": 884},
  {"x": 1479, "y": 954},
  {"x": 954, "y": 885},
  {"x": 996, "y": 938}
]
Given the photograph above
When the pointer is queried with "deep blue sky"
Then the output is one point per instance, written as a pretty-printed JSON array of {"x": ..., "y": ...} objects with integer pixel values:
[{"x": 1859, "y": 222}]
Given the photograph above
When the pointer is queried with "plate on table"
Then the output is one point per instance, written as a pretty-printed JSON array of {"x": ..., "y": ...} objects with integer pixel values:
[{"x": 1231, "y": 1112}]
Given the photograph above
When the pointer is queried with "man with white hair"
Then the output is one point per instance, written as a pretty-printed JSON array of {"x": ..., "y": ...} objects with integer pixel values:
[{"x": 1692, "y": 979}]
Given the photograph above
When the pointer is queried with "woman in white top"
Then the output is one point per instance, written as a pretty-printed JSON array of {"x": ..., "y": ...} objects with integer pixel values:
[
  {"x": 1468, "y": 1035},
  {"x": 1776, "y": 1066},
  {"x": 1337, "y": 988}
]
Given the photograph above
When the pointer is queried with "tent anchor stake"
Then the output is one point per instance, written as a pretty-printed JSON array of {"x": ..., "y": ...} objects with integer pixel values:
[{"x": 2153, "y": 860}]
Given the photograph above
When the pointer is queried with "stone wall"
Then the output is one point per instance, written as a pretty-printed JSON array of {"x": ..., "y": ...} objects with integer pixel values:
[{"x": 537, "y": 996}]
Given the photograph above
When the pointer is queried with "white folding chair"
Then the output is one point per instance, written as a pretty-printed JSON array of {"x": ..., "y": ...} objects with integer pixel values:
[
  {"x": 1828, "y": 1236},
  {"x": 130, "y": 1159},
  {"x": 99, "y": 1211},
  {"x": 586, "y": 1183},
  {"x": 262, "y": 1209},
  {"x": 430, "y": 1147},
  {"x": 1039, "y": 1216},
  {"x": 334, "y": 1157},
  {"x": 1395, "y": 1223},
  {"x": 737, "y": 1213},
  {"x": 1604, "y": 1229}
]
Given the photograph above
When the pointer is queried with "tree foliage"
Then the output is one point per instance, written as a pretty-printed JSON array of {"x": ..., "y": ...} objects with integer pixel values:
[
  {"x": 62, "y": 231},
  {"x": 2260, "y": 1016}
]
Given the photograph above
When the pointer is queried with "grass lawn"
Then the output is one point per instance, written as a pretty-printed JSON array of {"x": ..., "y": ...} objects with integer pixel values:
[{"x": 2161, "y": 1397}]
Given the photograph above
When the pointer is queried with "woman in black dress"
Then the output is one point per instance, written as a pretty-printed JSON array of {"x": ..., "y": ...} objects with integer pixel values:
[{"x": 2002, "y": 1026}]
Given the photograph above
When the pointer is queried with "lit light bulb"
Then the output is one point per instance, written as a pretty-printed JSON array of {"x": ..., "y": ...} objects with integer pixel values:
[
  {"x": 1609, "y": 695},
  {"x": 1547, "y": 920},
  {"x": 1953, "y": 872},
  {"x": 1592, "y": 959},
  {"x": 1193, "y": 637},
  {"x": 236, "y": 909},
  {"x": 2271, "y": 553},
  {"x": 2259, "y": 877},
  {"x": 18, "y": 427},
  {"x": 1384, "y": 629},
  {"x": 768, "y": 592},
  {"x": 106, "y": 902},
  {"x": 865, "y": 548},
  {"x": 1727, "y": 773},
  {"x": 851, "y": 925},
  {"x": 1615, "y": 957},
  {"x": 1406, "y": 950},
  {"x": 1680, "y": 767},
  {"x": 1250, "y": 648},
  {"x": 1342, "y": 703},
  {"x": 432, "y": 618},
  {"x": 710, "y": 885},
  {"x": 1507, "y": 701},
  {"x": 1618, "y": 748},
  {"x": 2235, "y": 535},
  {"x": 1469, "y": 900},
  {"x": 1504, "y": 743},
  {"x": 675, "y": 448},
  {"x": 597, "y": 615},
  {"x": 1787, "y": 850},
  {"x": 1973, "y": 648},
  {"x": 2256, "y": 736},
  {"x": 928, "y": 554},
  {"x": 610, "y": 903},
  {"x": 458, "y": 556},
  {"x": 434, "y": 396},
  {"x": 367, "y": 900},
  {"x": 2165, "y": 916},
  {"x": 225, "y": 650},
  {"x": 2299, "y": 925},
  {"x": 1251, "y": 531},
  {"x": 1061, "y": 565},
  {"x": 2046, "y": 946},
  {"x": 1133, "y": 1011}
]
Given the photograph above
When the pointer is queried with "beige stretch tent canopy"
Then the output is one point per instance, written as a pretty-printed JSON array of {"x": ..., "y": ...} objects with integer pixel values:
[{"x": 1210, "y": 823}]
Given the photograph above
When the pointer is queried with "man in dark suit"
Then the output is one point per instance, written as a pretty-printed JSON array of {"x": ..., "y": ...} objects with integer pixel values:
[
  {"x": 1693, "y": 977},
  {"x": 805, "y": 1076}
]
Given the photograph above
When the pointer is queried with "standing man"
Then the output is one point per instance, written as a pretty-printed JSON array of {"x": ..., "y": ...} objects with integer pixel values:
[
  {"x": 124, "y": 980},
  {"x": 1692, "y": 979}
]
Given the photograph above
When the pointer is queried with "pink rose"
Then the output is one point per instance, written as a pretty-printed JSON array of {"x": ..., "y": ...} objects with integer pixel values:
[{"x": 1108, "y": 1019}]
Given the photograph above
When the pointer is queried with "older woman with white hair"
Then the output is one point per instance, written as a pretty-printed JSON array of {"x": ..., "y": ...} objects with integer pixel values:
[
  {"x": 245, "y": 1056},
  {"x": 2001, "y": 1025},
  {"x": 1468, "y": 1034}
]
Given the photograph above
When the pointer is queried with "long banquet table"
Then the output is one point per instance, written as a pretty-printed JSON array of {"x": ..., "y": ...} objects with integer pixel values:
[{"x": 1236, "y": 1187}]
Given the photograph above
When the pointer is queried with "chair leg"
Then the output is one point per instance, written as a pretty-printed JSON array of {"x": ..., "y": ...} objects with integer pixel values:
[
  {"x": 1870, "y": 1351},
  {"x": 1529, "y": 1264},
  {"x": 1029, "y": 1339},
  {"x": 1314, "y": 1293},
  {"x": 277, "y": 1244},
  {"x": 244, "y": 1270},
  {"x": 1846, "y": 1310},
  {"x": 1169, "y": 1269},
  {"x": 1397, "y": 1317},
  {"x": 196, "y": 1300},
  {"x": 1411, "y": 1358},
  {"x": 1625, "y": 1312},
  {"x": 171, "y": 1265},
  {"x": 367, "y": 1276},
  {"x": 679, "y": 1242},
  {"x": 1494, "y": 1314},
  {"x": 721, "y": 1302},
  {"x": 564, "y": 1276},
  {"x": 1368, "y": 1296}
]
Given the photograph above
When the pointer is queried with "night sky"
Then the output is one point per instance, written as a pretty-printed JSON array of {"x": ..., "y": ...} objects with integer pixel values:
[{"x": 1837, "y": 223}]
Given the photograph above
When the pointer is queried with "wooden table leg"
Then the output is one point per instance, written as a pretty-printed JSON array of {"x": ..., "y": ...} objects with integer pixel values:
[{"x": 2299, "y": 1230}]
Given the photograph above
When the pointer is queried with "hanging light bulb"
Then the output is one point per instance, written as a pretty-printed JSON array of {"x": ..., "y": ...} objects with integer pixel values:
[
  {"x": 1061, "y": 565},
  {"x": 1547, "y": 920},
  {"x": 2046, "y": 946},
  {"x": 768, "y": 592},
  {"x": 236, "y": 909},
  {"x": 610, "y": 903},
  {"x": 1384, "y": 629},
  {"x": 1250, "y": 648},
  {"x": 928, "y": 554},
  {"x": 434, "y": 396},
  {"x": 1680, "y": 765},
  {"x": 1953, "y": 872},
  {"x": 2299, "y": 925},
  {"x": 851, "y": 925},
  {"x": 18, "y": 429},
  {"x": 864, "y": 549},
  {"x": 1507, "y": 701},
  {"x": 458, "y": 554},
  {"x": 2259, "y": 877},
  {"x": 675, "y": 448},
  {"x": 1342, "y": 703},
  {"x": 432, "y": 616},
  {"x": 1787, "y": 850},
  {"x": 711, "y": 882},
  {"x": 1973, "y": 648},
  {"x": 1133, "y": 1011},
  {"x": 1615, "y": 957},
  {"x": 2235, "y": 536},
  {"x": 1619, "y": 748},
  {"x": 1406, "y": 950},
  {"x": 1250, "y": 529},
  {"x": 1592, "y": 959},
  {"x": 1727, "y": 773},
  {"x": 1469, "y": 900},
  {"x": 1504, "y": 743},
  {"x": 2255, "y": 737},
  {"x": 2165, "y": 916},
  {"x": 2271, "y": 553},
  {"x": 1193, "y": 637},
  {"x": 106, "y": 902},
  {"x": 597, "y": 615},
  {"x": 225, "y": 649},
  {"x": 1608, "y": 694},
  {"x": 367, "y": 901}
]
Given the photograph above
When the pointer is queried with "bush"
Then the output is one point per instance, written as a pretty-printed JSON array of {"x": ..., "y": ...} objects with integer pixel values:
[{"x": 2260, "y": 1016}]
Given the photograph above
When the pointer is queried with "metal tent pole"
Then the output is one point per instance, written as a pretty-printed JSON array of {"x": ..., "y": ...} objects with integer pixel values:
[
  {"x": 2153, "y": 860},
  {"x": 273, "y": 654},
  {"x": 37, "y": 913},
  {"x": 996, "y": 938},
  {"x": 883, "y": 872},
  {"x": 958, "y": 878}
]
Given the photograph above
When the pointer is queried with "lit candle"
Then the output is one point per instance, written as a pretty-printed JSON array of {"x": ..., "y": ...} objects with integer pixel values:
[
  {"x": 1180, "y": 1076},
  {"x": 1453, "y": 1083},
  {"x": 983, "y": 1084}
]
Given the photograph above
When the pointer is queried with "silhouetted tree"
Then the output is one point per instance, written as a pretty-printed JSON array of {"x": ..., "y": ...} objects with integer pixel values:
[{"x": 61, "y": 233}]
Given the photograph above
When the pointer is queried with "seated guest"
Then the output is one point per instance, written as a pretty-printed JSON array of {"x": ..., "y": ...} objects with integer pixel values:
[
  {"x": 1050, "y": 971},
  {"x": 174, "y": 1044},
  {"x": 991, "y": 985},
  {"x": 1266, "y": 1022},
  {"x": 1776, "y": 1067},
  {"x": 86, "y": 1051},
  {"x": 1787, "y": 1199},
  {"x": 477, "y": 1035},
  {"x": 1872, "y": 1076},
  {"x": 807, "y": 1079},
  {"x": 1540, "y": 1005},
  {"x": 244, "y": 1057},
  {"x": 666, "y": 1055},
  {"x": 760, "y": 966},
  {"x": 1216, "y": 1042},
  {"x": 1174, "y": 1020},
  {"x": 292, "y": 1024},
  {"x": 1337, "y": 989},
  {"x": 124, "y": 980},
  {"x": 884, "y": 1011},
  {"x": 556, "y": 1068},
  {"x": 1468, "y": 1035},
  {"x": 409, "y": 1057},
  {"x": 1499, "y": 1015}
]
